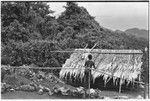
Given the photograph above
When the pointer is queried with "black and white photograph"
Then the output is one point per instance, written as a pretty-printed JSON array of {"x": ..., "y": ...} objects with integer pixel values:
[{"x": 75, "y": 50}]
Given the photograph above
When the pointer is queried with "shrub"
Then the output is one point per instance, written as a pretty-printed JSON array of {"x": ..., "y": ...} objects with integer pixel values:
[{"x": 36, "y": 52}]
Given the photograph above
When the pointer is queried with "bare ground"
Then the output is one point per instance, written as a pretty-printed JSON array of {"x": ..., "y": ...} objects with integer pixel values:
[{"x": 34, "y": 95}]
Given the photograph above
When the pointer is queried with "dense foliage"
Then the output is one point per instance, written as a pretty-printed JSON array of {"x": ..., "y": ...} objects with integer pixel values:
[{"x": 29, "y": 32}]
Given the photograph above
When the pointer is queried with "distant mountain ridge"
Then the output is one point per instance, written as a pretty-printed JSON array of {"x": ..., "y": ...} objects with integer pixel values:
[{"x": 140, "y": 33}]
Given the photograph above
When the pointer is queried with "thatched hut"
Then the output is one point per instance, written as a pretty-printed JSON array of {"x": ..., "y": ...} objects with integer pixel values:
[{"x": 122, "y": 65}]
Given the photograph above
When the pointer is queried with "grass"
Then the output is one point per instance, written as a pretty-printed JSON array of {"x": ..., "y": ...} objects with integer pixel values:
[
  {"x": 32, "y": 95},
  {"x": 16, "y": 80}
]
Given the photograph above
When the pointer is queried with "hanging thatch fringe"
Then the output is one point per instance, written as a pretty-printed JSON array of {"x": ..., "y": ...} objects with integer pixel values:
[{"x": 125, "y": 64}]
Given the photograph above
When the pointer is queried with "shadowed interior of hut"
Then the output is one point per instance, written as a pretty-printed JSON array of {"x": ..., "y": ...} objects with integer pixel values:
[{"x": 100, "y": 84}]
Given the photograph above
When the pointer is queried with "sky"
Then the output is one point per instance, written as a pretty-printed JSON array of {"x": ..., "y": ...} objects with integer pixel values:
[{"x": 113, "y": 15}]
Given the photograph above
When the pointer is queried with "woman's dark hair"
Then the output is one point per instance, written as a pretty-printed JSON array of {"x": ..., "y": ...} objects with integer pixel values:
[{"x": 90, "y": 57}]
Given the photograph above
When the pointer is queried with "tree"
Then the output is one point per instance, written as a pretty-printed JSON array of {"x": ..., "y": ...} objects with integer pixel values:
[
  {"x": 15, "y": 31},
  {"x": 30, "y": 16},
  {"x": 82, "y": 23}
]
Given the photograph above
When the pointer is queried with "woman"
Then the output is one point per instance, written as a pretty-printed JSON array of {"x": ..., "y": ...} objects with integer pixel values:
[{"x": 89, "y": 64}]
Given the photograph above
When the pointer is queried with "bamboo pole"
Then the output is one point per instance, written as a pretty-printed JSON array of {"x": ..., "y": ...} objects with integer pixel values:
[
  {"x": 94, "y": 46},
  {"x": 120, "y": 86},
  {"x": 120, "y": 83},
  {"x": 99, "y": 52},
  {"x": 101, "y": 71},
  {"x": 89, "y": 83}
]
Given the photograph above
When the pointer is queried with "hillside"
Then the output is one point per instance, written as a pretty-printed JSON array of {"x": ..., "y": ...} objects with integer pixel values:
[{"x": 140, "y": 33}]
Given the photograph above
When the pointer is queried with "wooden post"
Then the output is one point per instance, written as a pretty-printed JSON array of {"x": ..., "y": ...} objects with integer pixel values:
[
  {"x": 145, "y": 91},
  {"x": 89, "y": 83},
  {"x": 120, "y": 85},
  {"x": 139, "y": 77},
  {"x": 146, "y": 95}
]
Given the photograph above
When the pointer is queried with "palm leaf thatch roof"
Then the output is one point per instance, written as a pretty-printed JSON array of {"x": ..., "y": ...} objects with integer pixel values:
[{"x": 110, "y": 64}]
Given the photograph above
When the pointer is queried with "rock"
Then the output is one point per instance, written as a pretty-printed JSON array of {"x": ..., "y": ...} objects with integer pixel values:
[
  {"x": 77, "y": 93},
  {"x": 40, "y": 92},
  {"x": 34, "y": 85},
  {"x": 45, "y": 89},
  {"x": 50, "y": 76},
  {"x": 5, "y": 87},
  {"x": 74, "y": 93},
  {"x": 56, "y": 89},
  {"x": 12, "y": 90},
  {"x": 80, "y": 89},
  {"x": 27, "y": 88},
  {"x": 64, "y": 91},
  {"x": 81, "y": 92},
  {"x": 121, "y": 97},
  {"x": 22, "y": 83},
  {"x": 3, "y": 83},
  {"x": 97, "y": 93},
  {"x": 106, "y": 98},
  {"x": 41, "y": 87},
  {"x": 92, "y": 91},
  {"x": 139, "y": 97},
  {"x": 102, "y": 97},
  {"x": 50, "y": 93},
  {"x": 17, "y": 88},
  {"x": 41, "y": 75},
  {"x": 55, "y": 81},
  {"x": 34, "y": 74}
]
